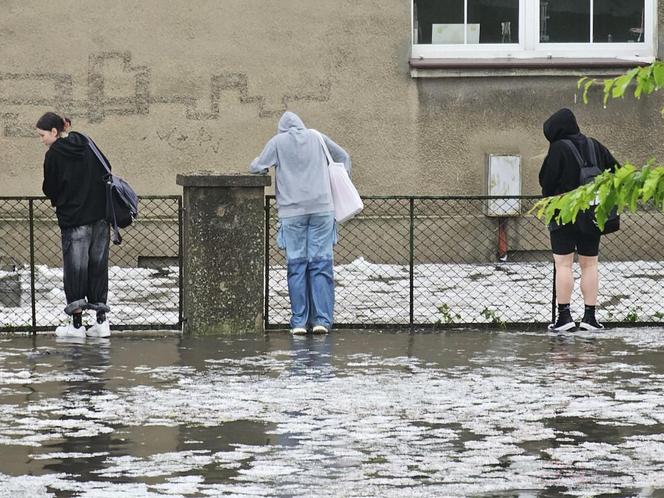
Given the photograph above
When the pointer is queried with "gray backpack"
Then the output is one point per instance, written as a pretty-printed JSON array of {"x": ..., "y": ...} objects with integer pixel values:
[{"x": 588, "y": 170}]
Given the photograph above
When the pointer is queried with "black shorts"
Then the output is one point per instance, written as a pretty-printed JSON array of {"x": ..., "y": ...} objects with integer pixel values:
[{"x": 568, "y": 238}]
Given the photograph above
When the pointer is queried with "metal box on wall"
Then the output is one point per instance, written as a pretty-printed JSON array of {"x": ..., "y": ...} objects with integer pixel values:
[{"x": 503, "y": 179}]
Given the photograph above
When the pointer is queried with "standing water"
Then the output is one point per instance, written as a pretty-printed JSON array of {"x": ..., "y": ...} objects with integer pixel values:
[{"x": 467, "y": 413}]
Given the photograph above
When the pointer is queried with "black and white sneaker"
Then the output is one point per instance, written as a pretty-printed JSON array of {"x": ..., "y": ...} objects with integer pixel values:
[
  {"x": 590, "y": 324},
  {"x": 563, "y": 324}
]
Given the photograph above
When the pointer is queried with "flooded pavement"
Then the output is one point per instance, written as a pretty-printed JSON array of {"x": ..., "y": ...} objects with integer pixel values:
[{"x": 353, "y": 414}]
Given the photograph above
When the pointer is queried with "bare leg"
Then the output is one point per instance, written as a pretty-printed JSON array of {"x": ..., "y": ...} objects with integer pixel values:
[
  {"x": 589, "y": 279},
  {"x": 564, "y": 277}
]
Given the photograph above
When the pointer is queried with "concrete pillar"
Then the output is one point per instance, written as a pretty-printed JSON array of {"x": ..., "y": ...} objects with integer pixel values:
[{"x": 223, "y": 252}]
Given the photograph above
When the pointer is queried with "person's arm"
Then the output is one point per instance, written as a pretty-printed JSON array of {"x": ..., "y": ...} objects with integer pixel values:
[
  {"x": 607, "y": 161},
  {"x": 266, "y": 160},
  {"x": 550, "y": 173},
  {"x": 338, "y": 153},
  {"x": 51, "y": 184}
]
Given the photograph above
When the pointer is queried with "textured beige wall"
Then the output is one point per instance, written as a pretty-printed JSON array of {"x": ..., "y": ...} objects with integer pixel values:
[{"x": 167, "y": 87}]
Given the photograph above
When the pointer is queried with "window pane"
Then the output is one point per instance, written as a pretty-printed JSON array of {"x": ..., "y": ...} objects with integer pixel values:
[
  {"x": 447, "y": 15},
  {"x": 618, "y": 21},
  {"x": 493, "y": 21},
  {"x": 564, "y": 21}
]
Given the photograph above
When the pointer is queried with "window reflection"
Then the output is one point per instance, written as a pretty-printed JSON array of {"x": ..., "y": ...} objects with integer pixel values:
[
  {"x": 496, "y": 20},
  {"x": 440, "y": 13},
  {"x": 564, "y": 21},
  {"x": 489, "y": 21},
  {"x": 618, "y": 21}
]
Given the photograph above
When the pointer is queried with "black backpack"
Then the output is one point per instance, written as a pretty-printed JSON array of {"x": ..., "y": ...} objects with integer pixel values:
[
  {"x": 588, "y": 170},
  {"x": 121, "y": 200}
]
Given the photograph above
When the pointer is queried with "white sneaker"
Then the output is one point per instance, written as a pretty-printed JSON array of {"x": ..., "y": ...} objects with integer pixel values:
[
  {"x": 320, "y": 329},
  {"x": 298, "y": 331},
  {"x": 70, "y": 331},
  {"x": 99, "y": 329}
]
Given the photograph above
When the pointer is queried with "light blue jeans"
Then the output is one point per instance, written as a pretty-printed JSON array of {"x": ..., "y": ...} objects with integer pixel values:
[{"x": 308, "y": 241}]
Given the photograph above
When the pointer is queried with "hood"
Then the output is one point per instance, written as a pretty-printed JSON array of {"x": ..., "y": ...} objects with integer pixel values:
[
  {"x": 72, "y": 146},
  {"x": 290, "y": 120},
  {"x": 561, "y": 124}
]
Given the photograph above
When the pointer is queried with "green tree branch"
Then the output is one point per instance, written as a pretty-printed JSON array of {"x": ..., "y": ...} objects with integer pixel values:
[
  {"x": 625, "y": 189},
  {"x": 628, "y": 186},
  {"x": 648, "y": 79}
]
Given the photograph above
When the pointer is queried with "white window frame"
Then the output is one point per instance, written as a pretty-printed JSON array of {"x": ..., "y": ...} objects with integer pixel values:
[{"x": 530, "y": 47}]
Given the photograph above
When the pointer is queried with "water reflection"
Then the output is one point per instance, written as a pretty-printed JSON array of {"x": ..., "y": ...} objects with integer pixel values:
[
  {"x": 76, "y": 452},
  {"x": 312, "y": 356},
  {"x": 456, "y": 413}
]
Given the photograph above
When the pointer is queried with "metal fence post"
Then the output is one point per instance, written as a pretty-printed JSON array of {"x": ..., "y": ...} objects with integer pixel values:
[
  {"x": 553, "y": 296},
  {"x": 412, "y": 262},
  {"x": 266, "y": 312},
  {"x": 33, "y": 300},
  {"x": 180, "y": 276}
]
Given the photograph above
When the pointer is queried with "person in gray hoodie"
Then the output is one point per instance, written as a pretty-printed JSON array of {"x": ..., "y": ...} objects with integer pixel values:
[{"x": 307, "y": 230}]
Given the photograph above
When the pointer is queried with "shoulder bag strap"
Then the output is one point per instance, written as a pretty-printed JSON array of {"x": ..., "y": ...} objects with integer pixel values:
[
  {"x": 116, "y": 238},
  {"x": 93, "y": 147},
  {"x": 322, "y": 141}
]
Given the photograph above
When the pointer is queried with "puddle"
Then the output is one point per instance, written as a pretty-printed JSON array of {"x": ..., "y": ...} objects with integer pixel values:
[{"x": 456, "y": 413}]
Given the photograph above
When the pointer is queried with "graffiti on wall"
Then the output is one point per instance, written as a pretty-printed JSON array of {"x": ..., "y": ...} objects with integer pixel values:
[{"x": 97, "y": 104}]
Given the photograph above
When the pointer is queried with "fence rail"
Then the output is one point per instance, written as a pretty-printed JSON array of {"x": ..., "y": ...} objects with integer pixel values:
[
  {"x": 144, "y": 272},
  {"x": 453, "y": 261}
]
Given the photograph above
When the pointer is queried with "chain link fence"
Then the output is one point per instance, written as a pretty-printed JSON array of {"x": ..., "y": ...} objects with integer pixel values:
[
  {"x": 406, "y": 261},
  {"x": 455, "y": 261},
  {"x": 144, "y": 272}
]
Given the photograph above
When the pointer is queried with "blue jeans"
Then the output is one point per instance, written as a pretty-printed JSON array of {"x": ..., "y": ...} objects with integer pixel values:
[
  {"x": 85, "y": 266},
  {"x": 308, "y": 241}
]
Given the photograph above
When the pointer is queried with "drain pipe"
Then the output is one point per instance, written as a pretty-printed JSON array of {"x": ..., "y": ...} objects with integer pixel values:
[{"x": 502, "y": 239}]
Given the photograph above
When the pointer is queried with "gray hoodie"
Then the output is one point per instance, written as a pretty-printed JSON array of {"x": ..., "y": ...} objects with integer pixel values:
[{"x": 302, "y": 182}]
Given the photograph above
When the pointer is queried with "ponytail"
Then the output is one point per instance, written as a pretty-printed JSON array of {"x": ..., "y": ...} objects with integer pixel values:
[{"x": 51, "y": 120}]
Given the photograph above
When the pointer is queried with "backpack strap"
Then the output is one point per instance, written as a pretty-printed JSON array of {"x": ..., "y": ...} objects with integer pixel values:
[
  {"x": 575, "y": 152},
  {"x": 592, "y": 152}
]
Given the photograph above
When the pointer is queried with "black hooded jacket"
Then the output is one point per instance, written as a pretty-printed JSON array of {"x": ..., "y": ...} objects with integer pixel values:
[
  {"x": 560, "y": 170},
  {"x": 74, "y": 181}
]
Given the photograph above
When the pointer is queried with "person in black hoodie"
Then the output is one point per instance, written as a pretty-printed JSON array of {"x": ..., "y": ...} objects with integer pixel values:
[
  {"x": 560, "y": 174},
  {"x": 74, "y": 182}
]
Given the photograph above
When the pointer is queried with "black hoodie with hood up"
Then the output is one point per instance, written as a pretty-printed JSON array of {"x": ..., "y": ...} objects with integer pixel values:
[
  {"x": 560, "y": 170},
  {"x": 74, "y": 181}
]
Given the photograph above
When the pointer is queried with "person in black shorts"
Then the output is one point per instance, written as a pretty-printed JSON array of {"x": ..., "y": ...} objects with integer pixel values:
[{"x": 560, "y": 174}]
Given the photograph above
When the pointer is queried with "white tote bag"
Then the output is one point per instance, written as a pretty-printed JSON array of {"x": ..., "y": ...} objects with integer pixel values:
[{"x": 346, "y": 199}]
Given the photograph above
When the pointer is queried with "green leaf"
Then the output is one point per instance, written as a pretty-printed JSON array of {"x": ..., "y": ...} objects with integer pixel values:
[
  {"x": 608, "y": 84},
  {"x": 622, "y": 82},
  {"x": 586, "y": 87},
  {"x": 540, "y": 206},
  {"x": 550, "y": 210},
  {"x": 658, "y": 74},
  {"x": 649, "y": 186}
]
